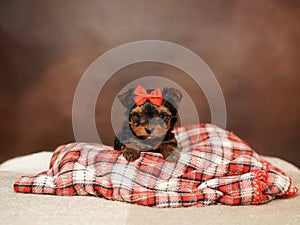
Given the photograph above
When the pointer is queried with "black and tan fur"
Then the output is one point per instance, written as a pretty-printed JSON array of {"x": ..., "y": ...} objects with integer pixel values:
[{"x": 145, "y": 131}]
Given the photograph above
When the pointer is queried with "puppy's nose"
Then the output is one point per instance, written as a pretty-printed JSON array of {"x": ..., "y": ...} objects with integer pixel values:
[{"x": 148, "y": 131}]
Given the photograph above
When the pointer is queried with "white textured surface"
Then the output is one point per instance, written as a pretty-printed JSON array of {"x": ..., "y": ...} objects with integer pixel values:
[
  {"x": 18, "y": 208},
  {"x": 31, "y": 164}
]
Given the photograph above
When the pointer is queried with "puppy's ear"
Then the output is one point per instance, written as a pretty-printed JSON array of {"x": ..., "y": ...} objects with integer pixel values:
[
  {"x": 126, "y": 99},
  {"x": 173, "y": 95}
]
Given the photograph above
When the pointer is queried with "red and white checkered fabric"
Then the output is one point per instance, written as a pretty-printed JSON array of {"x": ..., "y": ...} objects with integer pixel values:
[{"x": 215, "y": 167}]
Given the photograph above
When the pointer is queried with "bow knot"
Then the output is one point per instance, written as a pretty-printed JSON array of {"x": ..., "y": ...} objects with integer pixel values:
[{"x": 141, "y": 96}]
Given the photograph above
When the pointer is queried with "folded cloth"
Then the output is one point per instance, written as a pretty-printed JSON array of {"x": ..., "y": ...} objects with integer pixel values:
[{"x": 215, "y": 167}]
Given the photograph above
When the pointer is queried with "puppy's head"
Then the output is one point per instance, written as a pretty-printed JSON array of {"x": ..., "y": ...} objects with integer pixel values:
[{"x": 148, "y": 120}]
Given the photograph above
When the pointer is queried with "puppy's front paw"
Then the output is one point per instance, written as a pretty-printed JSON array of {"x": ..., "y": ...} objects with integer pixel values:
[
  {"x": 170, "y": 153},
  {"x": 130, "y": 154}
]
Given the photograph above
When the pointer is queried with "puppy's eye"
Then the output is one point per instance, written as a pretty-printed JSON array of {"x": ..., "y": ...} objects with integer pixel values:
[
  {"x": 164, "y": 115},
  {"x": 136, "y": 116}
]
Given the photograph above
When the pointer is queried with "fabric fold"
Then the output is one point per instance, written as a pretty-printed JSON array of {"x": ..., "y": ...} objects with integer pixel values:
[{"x": 216, "y": 167}]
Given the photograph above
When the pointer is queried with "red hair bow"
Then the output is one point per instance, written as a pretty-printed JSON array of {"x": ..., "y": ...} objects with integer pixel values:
[{"x": 141, "y": 96}]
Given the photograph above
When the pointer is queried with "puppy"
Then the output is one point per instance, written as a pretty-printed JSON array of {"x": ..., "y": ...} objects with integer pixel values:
[{"x": 152, "y": 115}]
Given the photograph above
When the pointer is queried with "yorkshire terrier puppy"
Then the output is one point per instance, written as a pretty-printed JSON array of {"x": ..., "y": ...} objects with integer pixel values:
[{"x": 152, "y": 115}]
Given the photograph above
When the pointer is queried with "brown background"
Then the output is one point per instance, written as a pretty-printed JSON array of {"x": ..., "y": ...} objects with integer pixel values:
[{"x": 251, "y": 46}]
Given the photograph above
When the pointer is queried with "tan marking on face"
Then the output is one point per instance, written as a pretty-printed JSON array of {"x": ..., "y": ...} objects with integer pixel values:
[
  {"x": 130, "y": 121},
  {"x": 163, "y": 109},
  {"x": 137, "y": 109},
  {"x": 159, "y": 131}
]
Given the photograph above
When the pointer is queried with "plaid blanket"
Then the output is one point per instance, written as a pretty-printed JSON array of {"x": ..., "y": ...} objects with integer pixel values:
[{"x": 215, "y": 167}]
